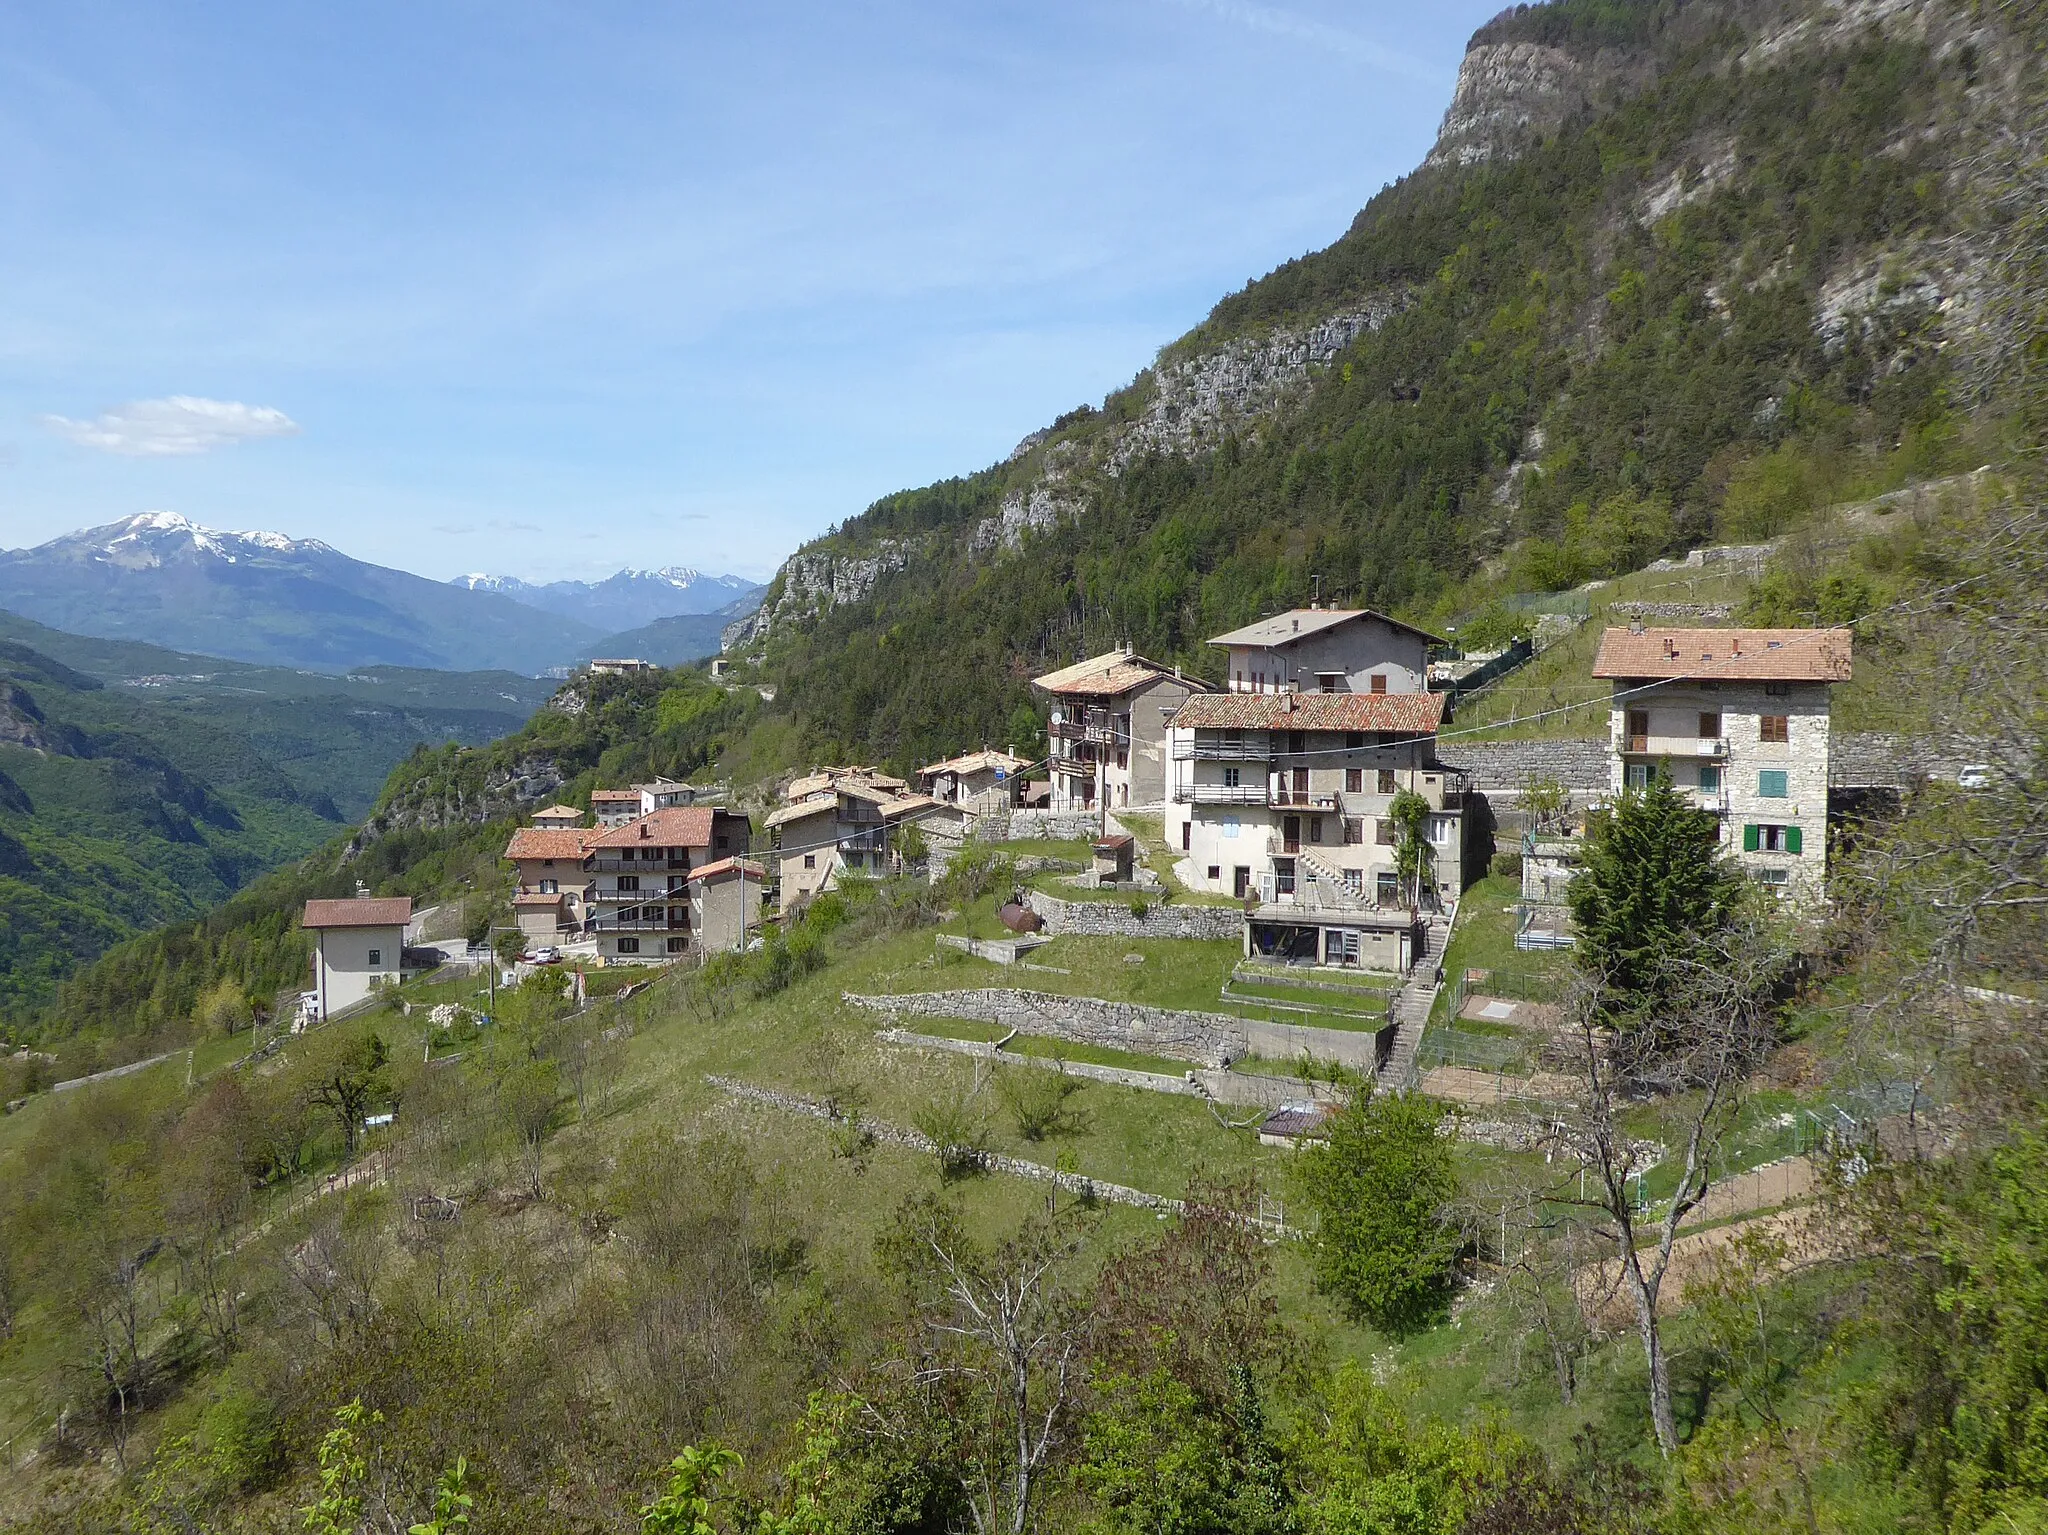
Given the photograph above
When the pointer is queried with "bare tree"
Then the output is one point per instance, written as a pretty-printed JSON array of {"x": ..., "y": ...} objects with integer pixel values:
[
  {"x": 1697, "y": 1055},
  {"x": 1001, "y": 1327}
]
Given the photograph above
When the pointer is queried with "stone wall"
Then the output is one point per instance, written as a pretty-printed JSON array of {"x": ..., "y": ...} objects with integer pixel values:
[
  {"x": 1498, "y": 765},
  {"x": 1114, "y": 919},
  {"x": 1038, "y": 826},
  {"x": 1205, "y": 1039}
]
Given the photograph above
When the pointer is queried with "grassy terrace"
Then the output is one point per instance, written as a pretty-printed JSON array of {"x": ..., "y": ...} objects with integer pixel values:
[
  {"x": 1485, "y": 940},
  {"x": 1041, "y": 1047}
]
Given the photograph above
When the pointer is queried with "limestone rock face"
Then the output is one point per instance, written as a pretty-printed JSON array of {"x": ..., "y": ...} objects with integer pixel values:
[
  {"x": 1198, "y": 399},
  {"x": 812, "y": 580},
  {"x": 1506, "y": 92}
]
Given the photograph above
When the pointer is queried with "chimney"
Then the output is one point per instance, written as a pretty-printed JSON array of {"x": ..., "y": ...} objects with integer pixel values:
[
  {"x": 1635, "y": 623},
  {"x": 1297, "y": 626},
  {"x": 646, "y": 831},
  {"x": 362, "y": 891}
]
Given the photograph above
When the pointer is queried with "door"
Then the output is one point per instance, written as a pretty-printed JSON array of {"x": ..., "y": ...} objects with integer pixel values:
[
  {"x": 1300, "y": 786},
  {"x": 1290, "y": 833},
  {"x": 1240, "y": 881},
  {"x": 1639, "y": 730}
]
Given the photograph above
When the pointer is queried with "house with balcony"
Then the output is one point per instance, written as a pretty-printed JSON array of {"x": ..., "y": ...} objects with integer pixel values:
[
  {"x": 1328, "y": 650},
  {"x": 978, "y": 782},
  {"x": 1285, "y": 801},
  {"x": 1107, "y": 737},
  {"x": 638, "y": 897},
  {"x": 615, "y": 807},
  {"x": 1739, "y": 719},
  {"x": 551, "y": 892},
  {"x": 846, "y": 820}
]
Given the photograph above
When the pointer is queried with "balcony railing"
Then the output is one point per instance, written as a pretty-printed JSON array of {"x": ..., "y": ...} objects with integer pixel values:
[
  {"x": 1220, "y": 794},
  {"x": 602, "y": 865},
  {"x": 1286, "y": 797},
  {"x": 661, "y": 924},
  {"x": 602, "y": 896},
  {"x": 1704, "y": 748},
  {"x": 1220, "y": 749}
]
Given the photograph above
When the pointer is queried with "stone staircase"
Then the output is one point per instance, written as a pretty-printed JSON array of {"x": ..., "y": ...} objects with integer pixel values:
[{"x": 1412, "y": 1004}]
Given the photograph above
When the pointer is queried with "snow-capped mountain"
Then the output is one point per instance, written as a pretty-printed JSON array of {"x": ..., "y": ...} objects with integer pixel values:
[
  {"x": 269, "y": 598},
  {"x": 628, "y": 599}
]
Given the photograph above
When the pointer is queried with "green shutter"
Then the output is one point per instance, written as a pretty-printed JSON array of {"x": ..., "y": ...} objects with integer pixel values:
[
  {"x": 1793, "y": 840},
  {"x": 1750, "y": 839}
]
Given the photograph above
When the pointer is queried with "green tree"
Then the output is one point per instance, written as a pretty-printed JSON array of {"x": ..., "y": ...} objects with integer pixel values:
[
  {"x": 1653, "y": 882},
  {"x": 346, "y": 1077},
  {"x": 1382, "y": 1187},
  {"x": 1413, "y": 856},
  {"x": 684, "y": 1506}
]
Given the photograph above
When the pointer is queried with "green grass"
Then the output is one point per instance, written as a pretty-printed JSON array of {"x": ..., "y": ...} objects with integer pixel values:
[
  {"x": 1484, "y": 939},
  {"x": 1042, "y": 1048},
  {"x": 1177, "y": 973}
]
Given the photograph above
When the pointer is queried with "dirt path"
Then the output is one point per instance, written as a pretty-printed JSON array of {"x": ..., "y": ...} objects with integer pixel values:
[{"x": 1607, "y": 1304}]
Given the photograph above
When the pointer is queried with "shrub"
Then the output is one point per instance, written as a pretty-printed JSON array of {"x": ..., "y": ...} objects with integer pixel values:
[
  {"x": 1037, "y": 1099},
  {"x": 1506, "y": 865},
  {"x": 1138, "y": 907},
  {"x": 956, "y": 1133},
  {"x": 223, "y": 1009}
]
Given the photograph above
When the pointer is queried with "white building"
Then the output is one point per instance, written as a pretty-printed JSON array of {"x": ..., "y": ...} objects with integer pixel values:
[
  {"x": 978, "y": 782},
  {"x": 639, "y": 897},
  {"x": 358, "y": 944},
  {"x": 1328, "y": 650},
  {"x": 1108, "y": 731},
  {"x": 1739, "y": 718}
]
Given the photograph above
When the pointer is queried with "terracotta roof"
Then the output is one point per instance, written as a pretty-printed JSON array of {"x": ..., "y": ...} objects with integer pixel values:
[
  {"x": 801, "y": 811},
  {"x": 1299, "y": 624},
  {"x": 910, "y": 804},
  {"x": 570, "y": 842},
  {"x": 725, "y": 866},
  {"x": 1118, "y": 672},
  {"x": 615, "y": 795},
  {"x": 683, "y": 826},
  {"x": 359, "y": 911},
  {"x": 1726, "y": 655},
  {"x": 557, "y": 813},
  {"x": 536, "y": 898},
  {"x": 974, "y": 762},
  {"x": 1401, "y": 713}
]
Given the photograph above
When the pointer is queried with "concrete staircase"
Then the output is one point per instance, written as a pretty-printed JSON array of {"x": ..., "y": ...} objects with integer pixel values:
[{"x": 1413, "y": 1002}]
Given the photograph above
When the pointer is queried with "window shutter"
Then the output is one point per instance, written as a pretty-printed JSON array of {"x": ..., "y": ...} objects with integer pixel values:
[
  {"x": 1794, "y": 842},
  {"x": 1749, "y": 839}
]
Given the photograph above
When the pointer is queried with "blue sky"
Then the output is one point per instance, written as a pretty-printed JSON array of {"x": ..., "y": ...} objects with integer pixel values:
[{"x": 548, "y": 289}]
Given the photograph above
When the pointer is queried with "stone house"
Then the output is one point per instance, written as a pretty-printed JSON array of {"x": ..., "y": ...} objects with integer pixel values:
[
  {"x": 725, "y": 904},
  {"x": 846, "y": 820},
  {"x": 1740, "y": 720},
  {"x": 978, "y": 782},
  {"x": 615, "y": 807},
  {"x": 1107, "y": 738},
  {"x": 1328, "y": 650},
  {"x": 557, "y": 817}
]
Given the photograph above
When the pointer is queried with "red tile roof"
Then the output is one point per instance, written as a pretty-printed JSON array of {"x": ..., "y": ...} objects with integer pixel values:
[
  {"x": 725, "y": 866},
  {"x": 1109, "y": 675},
  {"x": 359, "y": 911},
  {"x": 683, "y": 826},
  {"x": 1726, "y": 655},
  {"x": 568, "y": 842},
  {"x": 536, "y": 898},
  {"x": 1302, "y": 623},
  {"x": 615, "y": 796},
  {"x": 1402, "y": 713}
]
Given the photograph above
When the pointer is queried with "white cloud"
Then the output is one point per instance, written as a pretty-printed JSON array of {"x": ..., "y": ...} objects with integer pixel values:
[{"x": 179, "y": 424}]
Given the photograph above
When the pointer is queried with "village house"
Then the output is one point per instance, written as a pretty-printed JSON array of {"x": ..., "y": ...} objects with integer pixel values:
[
  {"x": 615, "y": 807},
  {"x": 978, "y": 782},
  {"x": 556, "y": 817},
  {"x": 847, "y": 820},
  {"x": 1739, "y": 719},
  {"x": 639, "y": 900},
  {"x": 550, "y": 897},
  {"x": 1283, "y": 788},
  {"x": 358, "y": 947},
  {"x": 725, "y": 903},
  {"x": 1107, "y": 738},
  {"x": 620, "y": 666}
]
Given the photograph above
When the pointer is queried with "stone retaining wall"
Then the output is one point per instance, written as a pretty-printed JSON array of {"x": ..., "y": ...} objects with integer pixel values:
[
  {"x": 1495, "y": 766},
  {"x": 1113, "y": 919},
  {"x": 1204, "y": 1039},
  {"x": 1038, "y": 825}
]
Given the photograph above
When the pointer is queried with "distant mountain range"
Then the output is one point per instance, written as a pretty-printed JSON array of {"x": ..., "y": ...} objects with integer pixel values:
[
  {"x": 626, "y": 600},
  {"x": 278, "y": 601}
]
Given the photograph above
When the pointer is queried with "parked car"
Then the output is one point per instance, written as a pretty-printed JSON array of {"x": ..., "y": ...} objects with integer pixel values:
[
  {"x": 1977, "y": 775},
  {"x": 547, "y": 955}
]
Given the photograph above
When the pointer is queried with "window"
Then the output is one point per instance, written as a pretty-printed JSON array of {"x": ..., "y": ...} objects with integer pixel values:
[
  {"x": 1383, "y": 833},
  {"x": 722, "y": 841},
  {"x": 549, "y": 887},
  {"x": 1123, "y": 759},
  {"x": 1710, "y": 778},
  {"x": 810, "y": 860},
  {"x": 1379, "y": 682},
  {"x": 1771, "y": 876},
  {"x": 1297, "y": 741},
  {"x": 1354, "y": 831},
  {"x": 629, "y": 946},
  {"x": 376, "y": 958},
  {"x": 1341, "y": 946},
  {"x": 1329, "y": 682},
  {"x": 1386, "y": 780},
  {"x": 677, "y": 945},
  {"x": 1215, "y": 872},
  {"x": 1353, "y": 739},
  {"x": 1315, "y": 828},
  {"x": 1774, "y": 729},
  {"x": 1387, "y": 889},
  {"x": 1710, "y": 724},
  {"x": 1232, "y": 777},
  {"x": 1283, "y": 876},
  {"x": 1187, "y": 835},
  {"x": 1777, "y": 689},
  {"x": 1773, "y": 839},
  {"x": 1770, "y": 784},
  {"x": 1354, "y": 780},
  {"x": 1636, "y": 775}
]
